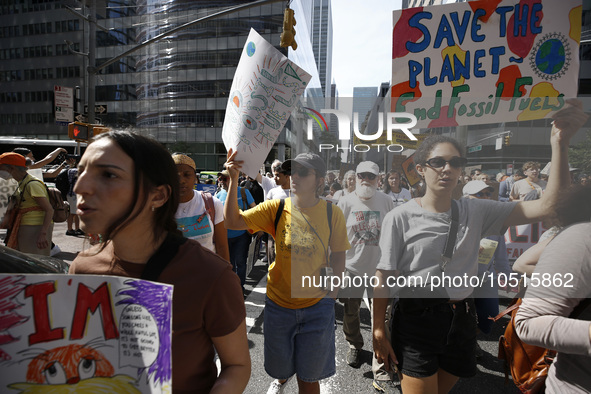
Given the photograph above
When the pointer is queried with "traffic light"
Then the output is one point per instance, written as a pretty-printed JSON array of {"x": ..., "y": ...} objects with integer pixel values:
[
  {"x": 288, "y": 35},
  {"x": 79, "y": 131},
  {"x": 507, "y": 140},
  {"x": 96, "y": 130},
  {"x": 83, "y": 132}
]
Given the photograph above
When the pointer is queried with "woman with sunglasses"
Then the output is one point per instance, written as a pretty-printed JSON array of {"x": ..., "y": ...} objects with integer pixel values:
[
  {"x": 434, "y": 344},
  {"x": 299, "y": 316},
  {"x": 394, "y": 189}
]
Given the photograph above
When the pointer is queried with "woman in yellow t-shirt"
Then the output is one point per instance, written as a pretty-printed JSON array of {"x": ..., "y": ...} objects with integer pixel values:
[
  {"x": 299, "y": 310},
  {"x": 32, "y": 228}
]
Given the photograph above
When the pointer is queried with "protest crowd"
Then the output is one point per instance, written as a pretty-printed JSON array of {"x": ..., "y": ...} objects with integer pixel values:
[{"x": 375, "y": 226}]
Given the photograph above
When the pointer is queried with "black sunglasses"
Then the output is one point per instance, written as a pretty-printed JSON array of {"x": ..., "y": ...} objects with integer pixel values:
[
  {"x": 368, "y": 175},
  {"x": 483, "y": 194},
  {"x": 439, "y": 162},
  {"x": 300, "y": 170}
]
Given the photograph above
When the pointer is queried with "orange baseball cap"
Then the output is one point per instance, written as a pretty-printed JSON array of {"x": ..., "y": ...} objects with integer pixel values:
[{"x": 13, "y": 159}]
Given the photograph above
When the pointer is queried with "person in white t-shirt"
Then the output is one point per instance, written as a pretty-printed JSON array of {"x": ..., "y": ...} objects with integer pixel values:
[
  {"x": 394, "y": 189},
  {"x": 266, "y": 182},
  {"x": 282, "y": 179},
  {"x": 192, "y": 216},
  {"x": 364, "y": 210}
]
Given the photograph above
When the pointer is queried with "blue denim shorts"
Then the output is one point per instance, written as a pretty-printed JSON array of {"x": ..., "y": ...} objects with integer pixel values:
[{"x": 300, "y": 341}]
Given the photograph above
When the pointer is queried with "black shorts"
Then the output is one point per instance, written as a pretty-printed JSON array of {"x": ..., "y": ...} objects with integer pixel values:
[{"x": 441, "y": 336}]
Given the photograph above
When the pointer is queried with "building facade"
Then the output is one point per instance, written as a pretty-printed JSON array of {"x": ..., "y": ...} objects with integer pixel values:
[{"x": 175, "y": 90}]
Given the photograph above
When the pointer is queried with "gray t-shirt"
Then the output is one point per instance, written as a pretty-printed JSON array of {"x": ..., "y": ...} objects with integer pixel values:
[
  {"x": 364, "y": 222},
  {"x": 542, "y": 318},
  {"x": 414, "y": 238}
]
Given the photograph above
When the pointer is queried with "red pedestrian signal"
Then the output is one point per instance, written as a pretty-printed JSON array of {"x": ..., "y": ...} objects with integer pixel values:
[
  {"x": 79, "y": 131},
  {"x": 83, "y": 132}
]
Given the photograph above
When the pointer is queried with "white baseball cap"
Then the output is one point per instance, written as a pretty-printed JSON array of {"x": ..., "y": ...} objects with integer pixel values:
[
  {"x": 368, "y": 166},
  {"x": 474, "y": 187}
]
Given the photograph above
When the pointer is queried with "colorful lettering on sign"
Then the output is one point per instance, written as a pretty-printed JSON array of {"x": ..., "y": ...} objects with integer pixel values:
[
  {"x": 86, "y": 301},
  {"x": 490, "y": 49}
]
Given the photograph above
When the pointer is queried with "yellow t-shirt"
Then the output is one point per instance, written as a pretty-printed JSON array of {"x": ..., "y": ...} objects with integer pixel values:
[
  {"x": 294, "y": 277},
  {"x": 33, "y": 188}
]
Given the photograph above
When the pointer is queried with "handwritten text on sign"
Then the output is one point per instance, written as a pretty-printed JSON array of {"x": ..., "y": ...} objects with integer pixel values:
[
  {"x": 265, "y": 89},
  {"x": 84, "y": 334}
]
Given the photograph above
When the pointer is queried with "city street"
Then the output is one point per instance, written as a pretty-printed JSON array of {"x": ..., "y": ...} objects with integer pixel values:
[{"x": 490, "y": 377}]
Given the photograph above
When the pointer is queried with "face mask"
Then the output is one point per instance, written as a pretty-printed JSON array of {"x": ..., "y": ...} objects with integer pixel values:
[{"x": 5, "y": 175}]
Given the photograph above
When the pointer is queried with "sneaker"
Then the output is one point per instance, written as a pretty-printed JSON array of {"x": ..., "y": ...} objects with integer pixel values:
[
  {"x": 387, "y": 386},
  {"x": 276, "y": 387},
  {"x": 71, "y": 232},
  {"x": 55, "y": 250},
  {"x": 353, "y": 358},
  {"x": 79, "y": 232}
]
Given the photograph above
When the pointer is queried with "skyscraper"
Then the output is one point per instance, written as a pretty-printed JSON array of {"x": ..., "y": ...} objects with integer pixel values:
[
  {"x": 363, "y": 100},
  {"x": 322, "y": 42}
]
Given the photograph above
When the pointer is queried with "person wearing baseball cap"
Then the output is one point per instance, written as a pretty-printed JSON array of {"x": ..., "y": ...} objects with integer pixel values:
[
  {"x": 30, "y": 228},
  {"x": 307, "y": 160},
  {"x": 311, "y": 239},
  {"x": 200, "y": 216},
  {"x": 364, "y": 210},
  {"x": 13, "y": 159},
  {"x": 478, "y": 189}
]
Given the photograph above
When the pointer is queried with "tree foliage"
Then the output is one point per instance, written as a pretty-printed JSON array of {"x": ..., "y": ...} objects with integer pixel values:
[{"x": 580, "y": 155}]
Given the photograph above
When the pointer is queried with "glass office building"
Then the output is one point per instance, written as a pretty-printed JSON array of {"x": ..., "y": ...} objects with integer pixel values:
[{"x": 175, "y": 90}]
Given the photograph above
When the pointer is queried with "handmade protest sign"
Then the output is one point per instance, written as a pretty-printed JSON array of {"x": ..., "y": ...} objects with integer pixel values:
[
  {"x": 485, "y": 61},
  {"x": 520, "y": 238},
  {"x": 265, "y": 89},
  {"x": 84, "y": 333}
]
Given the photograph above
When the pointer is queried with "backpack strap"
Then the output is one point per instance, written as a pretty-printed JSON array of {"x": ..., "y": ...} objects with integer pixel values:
[
  {"x": 209, "y": 206},
  {"x": 165, "y": 253},
  {"x": 329, "y": 217},
  {"x": 279, "y": 212},
  {"x": 33, "y": 180}
]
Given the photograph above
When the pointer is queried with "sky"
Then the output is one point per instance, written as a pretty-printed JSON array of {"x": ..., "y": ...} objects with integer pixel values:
[{"x": 362, "y": 43}]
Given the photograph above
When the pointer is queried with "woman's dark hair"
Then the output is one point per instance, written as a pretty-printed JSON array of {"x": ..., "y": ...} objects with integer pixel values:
[
  {"x": 574, "y": 206},
  {"x": 22, "y": 151},
  {"x": 386, "y": 188},
  {"x": 427, "y": 146},
  {"x": 153, "y": 166}
]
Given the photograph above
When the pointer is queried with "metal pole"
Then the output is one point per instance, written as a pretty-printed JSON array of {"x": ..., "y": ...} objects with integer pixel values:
[{"x": 91, "y": 60}]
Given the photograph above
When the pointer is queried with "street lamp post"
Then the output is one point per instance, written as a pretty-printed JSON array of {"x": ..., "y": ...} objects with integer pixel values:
[{"x": 91, "y": 61}]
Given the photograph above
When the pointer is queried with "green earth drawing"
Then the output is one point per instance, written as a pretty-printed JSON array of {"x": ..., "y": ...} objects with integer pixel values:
[
  {"x": 550, "y": 57},
  {"x": 250, "y": 48}
]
